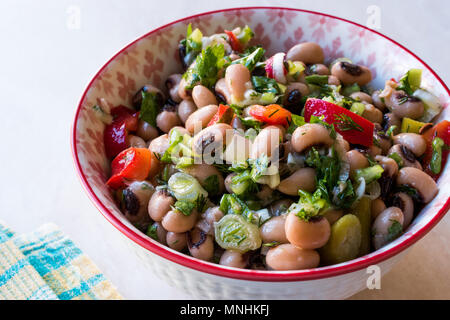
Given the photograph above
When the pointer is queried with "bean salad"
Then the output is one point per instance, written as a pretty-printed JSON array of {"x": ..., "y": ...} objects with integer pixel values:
[{"x": 279, "y": 162}]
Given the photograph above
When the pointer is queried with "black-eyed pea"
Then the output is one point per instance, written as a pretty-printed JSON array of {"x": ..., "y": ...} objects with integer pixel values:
[
  {"x": 361, "y": 96},
  {"x": 235, "y": 259},
  {"x": 425, "y": 186},
  {"x": 383, "y": 225},
  {"x": 413, "y": 141},
  {"x": 178, "y": 222},
  {"x": 274, "y": 230},
  {"x": 377, "y": 206},
  {"x": 289, "y": 257},
  {"x": 159, "y": 204},
  {"x": 406, "y": 204},
  {"x": 307, "y": 52},
  {"x": 202, "y": 96},
  {"x": 310, "y": 234},
  {"x": 185, "y": 109},
  {"x": 201, "y": 245},
  {"x": 303, "y": 179},
  {"x": 176, "y": 241},
  {"x": 349, "y": 73},
  {"x": 356, "y": 160},
  {"x": 200, "y": 118},
  {"x": 167, "y": 119},
  {"x": 135, "y": 141},
  {"x": 236, "y": 77},
  {"x": 146, "y": 131},
  {"x": 309, "y": 135}
]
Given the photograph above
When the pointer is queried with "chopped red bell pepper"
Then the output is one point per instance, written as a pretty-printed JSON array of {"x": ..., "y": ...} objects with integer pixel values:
[
  {"x": 354, "y": 128},
  {"x": 115, "y": 138},
  {"x": 115, "y": 134},
  {"x": 441, "y": 130},
  {"x": 223, "y": 115},
  {"x": 234, "y": 41},
  {"x": 129, "y": 116},
  {"x": 272, "y": 114},
  {"x": 130, "y": 164}
]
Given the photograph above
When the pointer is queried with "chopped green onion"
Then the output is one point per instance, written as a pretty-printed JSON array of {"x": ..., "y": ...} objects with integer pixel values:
[
  {"x": 233, "y": 232},
  {"x": 431, "y": 103},
  {"x": 348, "y": 90},
  {"x": 317, "y": 79},
  {"x": 369, "y": 174},
  {"x": 358, "y": 108},
  {"x": 436, "y": 157},
  {"x": 396, "y": 157}
]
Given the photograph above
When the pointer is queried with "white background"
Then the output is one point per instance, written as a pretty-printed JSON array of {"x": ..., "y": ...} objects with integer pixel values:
[{"x": 44, "y": 68}]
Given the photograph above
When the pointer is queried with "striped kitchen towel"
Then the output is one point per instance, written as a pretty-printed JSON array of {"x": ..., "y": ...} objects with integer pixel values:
[{"x": 46, "y": 265}]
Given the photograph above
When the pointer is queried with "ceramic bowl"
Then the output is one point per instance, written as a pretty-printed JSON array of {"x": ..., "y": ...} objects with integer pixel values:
[{"x": 154, "y": 56}]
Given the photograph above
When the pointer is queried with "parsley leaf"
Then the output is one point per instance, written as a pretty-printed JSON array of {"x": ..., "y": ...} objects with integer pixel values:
[
  {"x": 185, "y": 207},
  {"x": 394, "y": 231},
  {"x": 309, "y": 205},
  {"x": 152, "y": 232},
  {"x": 265, "y": 85},
  {"x": 251, "y": 59},
  {"x": 192, "y": 43},
  {"x": 231, "y": 204},
  {"x": 297, "y": 121},
  {"x": 207, "y": 65},
  {"x": 149, "y": 108}
]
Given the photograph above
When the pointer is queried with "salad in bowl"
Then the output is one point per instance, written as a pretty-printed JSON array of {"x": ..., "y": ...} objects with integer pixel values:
[{"x": 273, "y": 162}]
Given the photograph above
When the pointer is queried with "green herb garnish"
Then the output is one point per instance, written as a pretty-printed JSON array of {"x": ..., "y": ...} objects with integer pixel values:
[
  {"x": 149, "y": 108},
  {"x": 185, "y": 207},
  {"x": 346, "y": 123},
  {"x": 152, "y": 232}
]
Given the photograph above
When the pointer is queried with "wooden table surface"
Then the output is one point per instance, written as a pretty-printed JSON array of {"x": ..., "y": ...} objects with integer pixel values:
[{"x": 51, "y": 49}]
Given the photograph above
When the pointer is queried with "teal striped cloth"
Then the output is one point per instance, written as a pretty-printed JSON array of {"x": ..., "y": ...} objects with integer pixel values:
[{"x": 46, "y": 265}]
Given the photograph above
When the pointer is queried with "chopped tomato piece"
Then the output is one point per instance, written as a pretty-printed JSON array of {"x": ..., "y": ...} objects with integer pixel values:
[
  {"x": 354, "y": 128},
  {"x": 272, "y": 114},
  {"x": 130, "y": 164},
  {"x": 440, "y": 130},
  {"x": 223, "y": 115},
  {"x": 234, "y": 41}
]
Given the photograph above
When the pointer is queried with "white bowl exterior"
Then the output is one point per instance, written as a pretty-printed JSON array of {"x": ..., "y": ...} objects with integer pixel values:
[
  {"x": 154, "y": 57},
  {"x": 200, "y": 285}
]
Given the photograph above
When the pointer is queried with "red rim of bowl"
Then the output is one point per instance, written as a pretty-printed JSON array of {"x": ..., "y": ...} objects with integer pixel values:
[{"x": 246, "y": 274}]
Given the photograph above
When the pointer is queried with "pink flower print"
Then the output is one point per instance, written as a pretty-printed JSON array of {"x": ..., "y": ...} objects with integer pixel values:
[
  {"x": 96, "y": 173},
  {"x": 290, "y": 42},
  {"x": 321, "y": 25},
  {"x": 279, "y": 18},
  {"x": 103, "y": 81},
  {"x": 96, "y": 138},
  {"x": 260, "y": 37},
  {"x": 153, "y": 68},
  {"x": 162, "y": 39},
  {"x": 238, "y": 18},
  {"x": 333, "y": 52},
  {"x": 129, "y": 58},
  {"x": 127, "y": 86},
  {"x": 203, "y": 23},
  {"x": 360, "y": 37}
]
